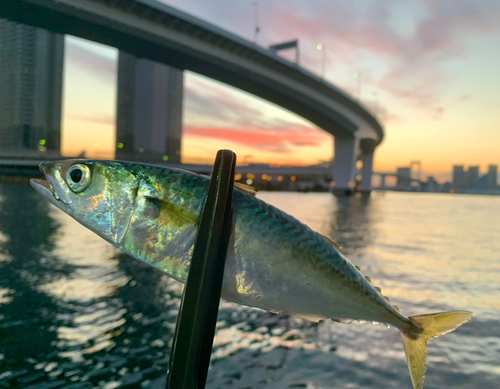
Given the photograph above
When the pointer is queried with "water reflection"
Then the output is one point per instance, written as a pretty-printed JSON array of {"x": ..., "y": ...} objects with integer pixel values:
[
  {"x": 351, "y": 222},
  {"x": 76, "y": 311},
  {"x": 73, "y": 310},
  {"x": 27, "y": 263}
]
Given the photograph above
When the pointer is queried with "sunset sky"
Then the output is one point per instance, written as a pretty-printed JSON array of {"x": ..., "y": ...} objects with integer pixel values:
[{"x": 430, "y": 71}]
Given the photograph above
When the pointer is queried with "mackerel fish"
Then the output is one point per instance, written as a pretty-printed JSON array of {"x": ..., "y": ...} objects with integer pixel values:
[{"x": 274, "y": 262}]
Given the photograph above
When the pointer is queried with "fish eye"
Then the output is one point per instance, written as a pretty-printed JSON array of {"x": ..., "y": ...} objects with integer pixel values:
[{"x": 78, "y": 177}]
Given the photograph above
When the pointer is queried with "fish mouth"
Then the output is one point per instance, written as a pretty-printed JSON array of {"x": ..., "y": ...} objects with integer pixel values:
[
  {"x": 42, "y": 186},
  {"x": 46, "y": 189}
]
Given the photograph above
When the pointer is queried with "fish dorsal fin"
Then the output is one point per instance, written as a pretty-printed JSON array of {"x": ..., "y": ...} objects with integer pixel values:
[
  {"x": 336, "y": 245},
  {"x": 247, "y": 189}
]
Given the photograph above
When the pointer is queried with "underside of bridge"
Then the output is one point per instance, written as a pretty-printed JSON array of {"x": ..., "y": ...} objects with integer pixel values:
[{"x": 152, "y": 30}]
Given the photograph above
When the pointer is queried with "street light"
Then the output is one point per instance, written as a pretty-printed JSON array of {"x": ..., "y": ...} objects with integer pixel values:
[
  {"x": 320, "y": 47},
  {"x": 375, "y": 94},
  {"x": 257, "y": 28},
  {"x": 358, "y": 76}
]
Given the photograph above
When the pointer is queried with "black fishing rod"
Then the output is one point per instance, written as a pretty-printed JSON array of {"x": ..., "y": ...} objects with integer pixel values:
[{"x": 194, "y": 333}]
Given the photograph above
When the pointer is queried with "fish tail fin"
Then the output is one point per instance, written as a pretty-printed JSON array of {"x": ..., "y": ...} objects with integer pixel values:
[{"x": 434, "y": 324}]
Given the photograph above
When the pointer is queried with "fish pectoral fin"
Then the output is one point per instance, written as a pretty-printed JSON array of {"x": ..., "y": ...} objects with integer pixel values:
[
  {"x": 247, "y": 189},
  {"x": 311, "y": 318},
  {"x": 336, "y": 245},
  {"x": 170, "y": 213},
  {"x": 343, "y": 321}
]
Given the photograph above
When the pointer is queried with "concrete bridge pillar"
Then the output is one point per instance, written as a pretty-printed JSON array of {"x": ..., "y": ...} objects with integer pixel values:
[
  {"x": 367, "y": 147},
  {"x": 344, "y": 165},
  {"x": 382, "y": 181}
]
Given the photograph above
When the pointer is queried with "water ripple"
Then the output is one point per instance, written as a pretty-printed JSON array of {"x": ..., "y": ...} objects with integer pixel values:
[{"x": 75, "y": 312}]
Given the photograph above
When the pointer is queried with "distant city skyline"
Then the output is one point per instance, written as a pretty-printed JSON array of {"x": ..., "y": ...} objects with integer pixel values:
[
  {"x": 473, "y": 178},
  {"x": 427, "y": 69},
  {"x": 463, "y": 180}
]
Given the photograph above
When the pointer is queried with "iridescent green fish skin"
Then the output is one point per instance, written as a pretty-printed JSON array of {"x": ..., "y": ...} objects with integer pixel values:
[{"x": 274, "y": 261}]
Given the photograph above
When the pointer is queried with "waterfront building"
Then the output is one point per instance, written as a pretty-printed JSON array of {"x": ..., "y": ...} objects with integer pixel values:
[
  {"x": 149, "y": 110},
  {"x": 404, "y": 178},
  {"x": 472, "y": 175},
  {"x": 446, "y": 187},
  {"x": 432, "y": 185},
  {"x": 459, "y": 181},
  {"x": 492, "y": 176},
  {"x": 31, "y": 73}
]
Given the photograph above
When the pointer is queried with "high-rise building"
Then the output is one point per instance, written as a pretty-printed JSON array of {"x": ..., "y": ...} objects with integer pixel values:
[
  {"x": 432, "y": 185},
  {"x": 472, "y": 175},
  {"x": 404, "y": 178},
  {"x": 31, "y": 73},
  {"x": 447, "y": 187},
  {"x": 492, "y": 176},
  {"x": 149, "y": 110},
  {"x": 459, "y": 181}
]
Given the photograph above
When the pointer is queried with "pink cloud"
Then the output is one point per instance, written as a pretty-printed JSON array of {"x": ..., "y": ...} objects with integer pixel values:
[
  {"x": 392, "y": 119},
  {"x": 217, "y": 103},
  {"x": 414, "y": 60},
  {"x": 465, "y": 97},
  {"x": 335, "y": 22},
  {"x": 277, "y": 140},
  {"x": 438, "y": 113},
  {"x": 89, "y": 60},
  {"x": 104, "y": 119}
]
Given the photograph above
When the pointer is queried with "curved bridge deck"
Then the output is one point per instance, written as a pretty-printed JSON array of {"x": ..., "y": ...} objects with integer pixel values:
[{"x": 155, "y": 31}]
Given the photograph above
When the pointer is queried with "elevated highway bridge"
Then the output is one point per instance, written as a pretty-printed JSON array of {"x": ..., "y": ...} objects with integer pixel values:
[{"x": 152, "y": 30}]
